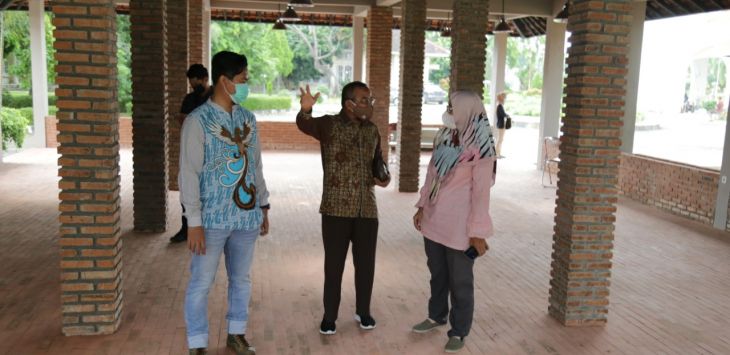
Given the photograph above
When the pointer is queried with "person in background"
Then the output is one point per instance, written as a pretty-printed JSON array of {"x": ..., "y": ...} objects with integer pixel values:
[
  {"x": 198, "y": 80},
  {"x": 453, "y": 214},
  {"x": 501, "y": 119}
]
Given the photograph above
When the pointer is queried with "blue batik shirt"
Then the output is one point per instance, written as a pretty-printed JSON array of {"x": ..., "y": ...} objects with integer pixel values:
[{"x": 221, "y": 180}]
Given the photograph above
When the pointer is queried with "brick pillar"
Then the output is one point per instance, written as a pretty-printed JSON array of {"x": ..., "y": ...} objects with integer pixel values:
[
  {"x": 589, "y": 161},
  {"x": 88, "y": 136},
  {"x": 469, "y": 45},
  {"x": 177, "y": 66},
  {"x": 195, "y": 32},
  {"x": 380, "y": 34},
  {"x": 206, "y": 34},
  {"x": 149, "y": 116},
  {"x": 412, "y": 44}
]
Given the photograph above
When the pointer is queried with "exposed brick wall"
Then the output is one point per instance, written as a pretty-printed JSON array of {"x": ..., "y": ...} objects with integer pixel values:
[
  {"x": 284, "y": 136},
  {"x": 413, "y": 42},
  {"x": 90, "y": 243},
  {"x": 273, "y": 135},
  {"x": 678, "y": 188},
  {"x": 589, "y": 161},
  {"x": 177, "y": 66},
  {"x": 195, "y": 34},
  {"x": 468, "y": 45},
  {"x": 380, "y": 34},
  {"x": 150, "y": 115}
]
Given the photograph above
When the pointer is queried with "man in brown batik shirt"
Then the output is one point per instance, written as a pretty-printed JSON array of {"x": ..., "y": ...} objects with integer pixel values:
[{"x": 349, "y": 142}]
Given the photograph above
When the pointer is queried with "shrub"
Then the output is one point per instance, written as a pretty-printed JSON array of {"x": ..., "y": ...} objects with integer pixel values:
[
  {"x": 533, "y": 92},
  {"x": 709, "y": 105},
  {"x": 126, "y": 108},
  {"x": 21, "y": 99},
  {"x": 264, "y": 102},
  {"x": 13, "y": 126},
  {"x": 27, "y": 113},
  {"x": 16, "y": 100},
  {"x": 324, "y": 89}
]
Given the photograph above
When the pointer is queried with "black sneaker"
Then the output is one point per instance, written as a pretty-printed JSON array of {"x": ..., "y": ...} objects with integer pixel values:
[
  {"x": 180, "y": 236},
  {"x": 366, "y": 322},
  {"x": 327, "y": 327}
]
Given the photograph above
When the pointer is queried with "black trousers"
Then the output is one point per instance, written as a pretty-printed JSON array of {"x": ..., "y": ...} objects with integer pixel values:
[
  {"x": 184, "y": 228},
  {"x": 337, "y": 233},
  {"x": 451, "y": 275}
]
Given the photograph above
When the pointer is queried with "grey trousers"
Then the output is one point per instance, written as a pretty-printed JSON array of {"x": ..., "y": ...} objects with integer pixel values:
[{"x": 451, "y": 275}]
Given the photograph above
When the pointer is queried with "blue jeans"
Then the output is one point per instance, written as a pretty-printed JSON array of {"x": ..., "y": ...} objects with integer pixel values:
[{"x": 238, "y": 247}]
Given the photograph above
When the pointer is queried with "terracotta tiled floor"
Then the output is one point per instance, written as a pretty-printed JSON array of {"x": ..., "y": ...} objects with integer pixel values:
[{"x": 670, "y": 284}]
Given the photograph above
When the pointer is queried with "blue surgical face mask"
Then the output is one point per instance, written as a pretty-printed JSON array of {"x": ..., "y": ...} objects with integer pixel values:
[{"x": 240, "y": 95}]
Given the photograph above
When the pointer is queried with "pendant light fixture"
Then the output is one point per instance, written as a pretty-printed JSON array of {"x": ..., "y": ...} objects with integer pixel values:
[
  {"x": 502, "y": 26},
  {"x": 290, "y": 15},
  {"x": 279, "y": 24},
  {"x": 562, "y": 16},
  {"x": 446, "y": 28}
]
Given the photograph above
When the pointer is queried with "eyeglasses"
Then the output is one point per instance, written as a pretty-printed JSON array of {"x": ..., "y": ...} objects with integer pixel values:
[
  {"x": 449, "y": 108},
  {"x": 369, "y": 101}
]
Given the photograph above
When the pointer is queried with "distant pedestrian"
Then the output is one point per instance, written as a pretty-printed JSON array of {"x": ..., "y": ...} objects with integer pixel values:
[{"x": 502, "y": 124}]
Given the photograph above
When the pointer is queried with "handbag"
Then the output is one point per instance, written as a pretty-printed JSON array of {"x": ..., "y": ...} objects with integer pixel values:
[
  {"x": 380, "y": 167},
  {"x": 508, "y": 123}
]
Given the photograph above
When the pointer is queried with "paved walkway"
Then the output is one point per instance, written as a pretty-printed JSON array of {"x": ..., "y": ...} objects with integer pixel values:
[{"x": 670, "y": 291}]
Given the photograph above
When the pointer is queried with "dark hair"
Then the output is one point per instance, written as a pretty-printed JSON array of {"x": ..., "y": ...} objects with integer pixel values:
[
  {"x": 197, "y": 71},
  {"x": 348, "y": 92},
  {"x": 228, "y": 64}
]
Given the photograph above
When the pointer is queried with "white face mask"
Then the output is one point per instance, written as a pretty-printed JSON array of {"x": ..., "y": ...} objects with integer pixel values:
[{"x": 448, "y": 120}]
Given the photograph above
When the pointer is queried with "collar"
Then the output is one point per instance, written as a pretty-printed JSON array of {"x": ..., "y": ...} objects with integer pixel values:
[{"x": 220, "y": 109}]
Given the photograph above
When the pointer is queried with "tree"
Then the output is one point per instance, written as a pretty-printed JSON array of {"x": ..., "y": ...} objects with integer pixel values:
[
  {"x": 444, "y": 63},
  {"x": 268, "y": 52},
  {"x": 716, "y": 76},
  {"x": 124, "y": 63},
  {"x": 315, "y": 47},
  {"x": 17, "y": 46},
  {"x": 524, "y": 56}
]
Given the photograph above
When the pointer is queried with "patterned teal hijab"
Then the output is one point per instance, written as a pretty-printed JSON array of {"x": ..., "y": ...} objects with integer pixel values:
[{"x": 471, "y": 139}]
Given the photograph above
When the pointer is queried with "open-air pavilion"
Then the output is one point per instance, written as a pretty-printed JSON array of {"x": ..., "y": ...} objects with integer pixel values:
[{"x": 557, "y": 262}]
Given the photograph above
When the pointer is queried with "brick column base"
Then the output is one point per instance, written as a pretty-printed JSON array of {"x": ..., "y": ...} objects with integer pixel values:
[
  {"x": 177, "y": 66},
  {"x": 88, "y": 137},
  {"x": 380, "y": 34},
  {"x": 413, "y": 43},
  {"x": 195, "y": 33},
  {"x": 468, "y": 45},
  {"x": 149, "y": 116},
  {"x": 589, "y": 161}
]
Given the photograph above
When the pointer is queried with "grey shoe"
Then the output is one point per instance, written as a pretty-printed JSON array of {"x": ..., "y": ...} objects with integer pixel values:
[
  {"x": 238, "y": 343},
  {"x": 426, "y": 326},
  {"x": 454, "y": 344}
]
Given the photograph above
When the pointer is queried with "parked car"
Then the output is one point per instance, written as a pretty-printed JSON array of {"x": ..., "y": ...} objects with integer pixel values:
[{"x": 433, "y": 94}]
